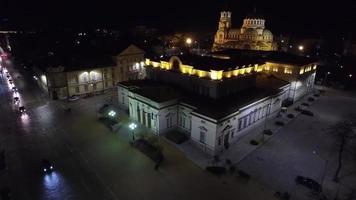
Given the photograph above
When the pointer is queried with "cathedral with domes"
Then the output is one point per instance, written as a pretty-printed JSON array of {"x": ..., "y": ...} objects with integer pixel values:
[{"x": 251, "y": 36}]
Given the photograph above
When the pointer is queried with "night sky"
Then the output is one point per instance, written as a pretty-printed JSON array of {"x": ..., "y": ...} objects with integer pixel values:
[{"x": 303, "y": 16}]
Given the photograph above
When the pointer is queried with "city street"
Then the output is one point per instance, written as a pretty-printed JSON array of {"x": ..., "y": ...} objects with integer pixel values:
[
  {"x": 89, "y": 161},
  {"x": 306, "y": 150}
]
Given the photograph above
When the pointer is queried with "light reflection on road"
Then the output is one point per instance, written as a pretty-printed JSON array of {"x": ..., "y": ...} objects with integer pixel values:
[{"x": 55, "y": 187}]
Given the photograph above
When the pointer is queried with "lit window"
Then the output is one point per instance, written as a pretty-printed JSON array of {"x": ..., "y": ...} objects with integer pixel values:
[{"x": 301, "y": 70}]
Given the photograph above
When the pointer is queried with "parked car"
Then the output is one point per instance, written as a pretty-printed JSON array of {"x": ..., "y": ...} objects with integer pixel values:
[
  {"x": 14, "y": 89},
  {"x": 22, "y": 109},
  {"x": 47, "y": 166},
  {"x": 16, "y": 100},
  {"x": 73, "y": 98},
  {"x": 308, "y": 182},
  {"x": 307, "y": 112}
]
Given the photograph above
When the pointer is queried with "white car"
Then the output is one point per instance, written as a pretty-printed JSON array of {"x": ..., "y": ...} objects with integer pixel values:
[{"x": 73, "y": 98}]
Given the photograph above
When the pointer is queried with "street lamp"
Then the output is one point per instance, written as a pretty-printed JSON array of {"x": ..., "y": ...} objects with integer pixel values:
[
  {"x": 350, "y": 75},
  {"x": 326, "y": 76},
  {"x": 112, "y": 113},
  {"x": 325, "y": 166},
  {"x": 132, "y": 127},
  {"x": 301, "y": 47},
  {"x": 188, "y": 41}
]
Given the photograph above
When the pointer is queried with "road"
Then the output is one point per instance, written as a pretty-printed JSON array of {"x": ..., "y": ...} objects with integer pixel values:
[
  {"x": 91, "y": 162},
  {"x": 29, "y": 138}
]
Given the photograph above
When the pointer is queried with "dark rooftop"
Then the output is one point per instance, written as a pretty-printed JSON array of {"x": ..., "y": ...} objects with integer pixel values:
[
  {"x": 158, "y": 93},
  {"x": 213, "y": 108},
  {"x": 208, "y": 63},
  {"x": 219, "y": 108}
]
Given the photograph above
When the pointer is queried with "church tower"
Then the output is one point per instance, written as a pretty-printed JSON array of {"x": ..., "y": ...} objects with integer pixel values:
[
  {"x": 224, "y": 26},
  {"x": 225, "y": 20}
]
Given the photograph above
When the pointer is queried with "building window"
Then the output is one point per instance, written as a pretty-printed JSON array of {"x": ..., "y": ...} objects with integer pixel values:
[
  {"x": 85, "y": 77},
  {"x": 86, "y": 88},
  {"x": 105, "y": 74},
  {"x": 232, "y": 133},
  {"x": 219, "y": 140},
  {"x": 77, "y": 89},
  {"x": 94, "y": 86},
  {"x": 76, "y": 79},
  {"x": 240, "y": 124},
  {"x": 106, "y": 84},
  {"x": 202, "y": 137},
  {"x": 94, "y": 77}
]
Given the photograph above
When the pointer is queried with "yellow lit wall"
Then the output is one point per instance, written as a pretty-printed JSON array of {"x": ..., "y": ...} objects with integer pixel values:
[
  {"x": 228, "y": 74},
  {"x": 201, "y": 73},
  {"x": 186, "y": 69},
  {"x": 301, "y": 70},
  {"x": 287, "y": 70},
  {"x": 248, "y": 70},
  {"x": 155, "y": 64},
  {"x": 147, "y": 62},
  {"x": 235, "y": 72},
  {"x": 165, "y": 65},
  {"x": 314, "y": 67},
  {"x": 216, "y": 75}
]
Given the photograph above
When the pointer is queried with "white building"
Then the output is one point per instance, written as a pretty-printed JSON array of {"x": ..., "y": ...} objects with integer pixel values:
[{"x": 211, "y": 99}]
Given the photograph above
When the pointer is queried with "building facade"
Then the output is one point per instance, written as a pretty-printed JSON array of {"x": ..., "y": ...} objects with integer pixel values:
[
  {"x": 62, "y": 82},
  {"x": 130, "y": 64},
  {"x": 214, "y": 100},
  {"x": 251, "y": 36}
]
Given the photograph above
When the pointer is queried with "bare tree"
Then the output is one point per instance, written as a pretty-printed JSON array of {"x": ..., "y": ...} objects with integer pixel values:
[{"x": 343, "y": 133}]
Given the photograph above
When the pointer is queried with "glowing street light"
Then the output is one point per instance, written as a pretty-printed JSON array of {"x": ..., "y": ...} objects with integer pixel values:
[
  {"x": 189, "y": 41},
  {"x": 112, "y": 113},
  {"x": 132, "y": 127},
  {"x": 301, "y": 47},
  {"x": 350, "y": 75}
]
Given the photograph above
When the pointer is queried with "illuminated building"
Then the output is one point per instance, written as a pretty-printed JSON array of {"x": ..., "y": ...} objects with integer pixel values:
[
  {"x": 251, "y": 36},
  {"x": 77, "y": 76},
  {"x": 215, "y": 99},
  {"x": 130, "y": 64}
]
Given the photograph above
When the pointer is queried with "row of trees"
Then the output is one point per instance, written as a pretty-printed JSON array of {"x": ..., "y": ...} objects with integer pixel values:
[{"x": 344, "y": 133}]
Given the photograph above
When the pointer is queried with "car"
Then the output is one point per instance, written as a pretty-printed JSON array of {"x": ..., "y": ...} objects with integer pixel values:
[
  {"x": 16, "y": 99},
  {"x": 307, "y": 112},
  {"x": 308, "y": 182},
  {"x": 14, "y": 89},
  {"x": 73, "y": 98},
  {"x": 22, "y": 109},
  {"x": 47, "y": 166}
]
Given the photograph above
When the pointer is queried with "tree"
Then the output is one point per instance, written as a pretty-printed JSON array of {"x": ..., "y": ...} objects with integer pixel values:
[{"x": 343, "y": 132}]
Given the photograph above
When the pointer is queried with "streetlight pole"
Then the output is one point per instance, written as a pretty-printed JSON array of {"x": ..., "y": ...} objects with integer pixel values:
[
  {"x": 266, "y": 118},
  {"x": 326, "y": 76},
  {"x": 132, "y": 127}
]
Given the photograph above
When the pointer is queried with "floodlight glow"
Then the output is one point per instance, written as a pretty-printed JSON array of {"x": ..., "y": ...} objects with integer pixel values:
[{"x": 132, "y": 126}]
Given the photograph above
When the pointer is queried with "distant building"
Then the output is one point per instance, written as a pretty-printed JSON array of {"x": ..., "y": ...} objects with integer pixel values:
[
  {"x": 130, "y": 64},
  {"x": 76, "y": 76},
  {"x": 215, "y": 99},
  {"x": 251, "y": 36}
]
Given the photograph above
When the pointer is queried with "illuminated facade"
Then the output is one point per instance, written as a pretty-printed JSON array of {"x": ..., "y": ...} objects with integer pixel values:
[
  {"x": 251, "y": 36},
  {"x": 62, "y": 82},
  {"x": 130, "y": 64},
  {"x": 215, "y": 100}
]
